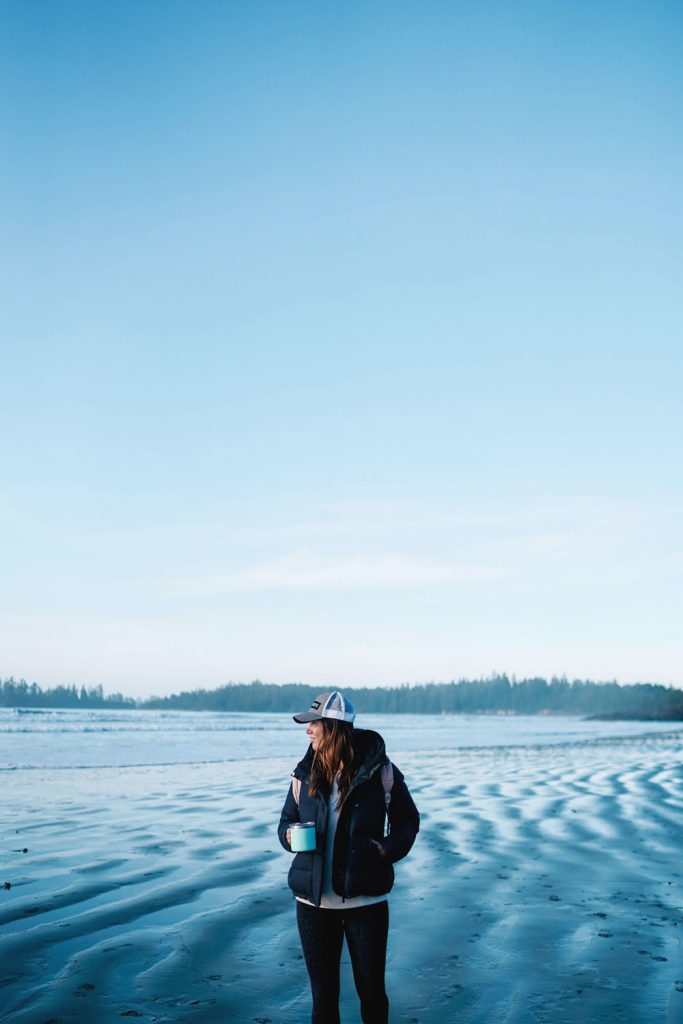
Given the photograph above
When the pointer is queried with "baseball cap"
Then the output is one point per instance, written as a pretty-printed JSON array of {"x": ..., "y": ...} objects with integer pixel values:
[{"x": 328, "y": 705}]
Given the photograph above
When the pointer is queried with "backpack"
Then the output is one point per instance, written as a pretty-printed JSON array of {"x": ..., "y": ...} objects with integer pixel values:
[{"x": 386, "y": 773}]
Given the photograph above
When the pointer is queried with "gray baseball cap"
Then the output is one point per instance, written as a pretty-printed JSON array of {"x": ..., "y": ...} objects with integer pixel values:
[{"x": 328, "y": 705}]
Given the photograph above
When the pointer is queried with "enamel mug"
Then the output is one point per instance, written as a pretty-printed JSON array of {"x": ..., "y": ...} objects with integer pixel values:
[{"x": 303, "y": 836}]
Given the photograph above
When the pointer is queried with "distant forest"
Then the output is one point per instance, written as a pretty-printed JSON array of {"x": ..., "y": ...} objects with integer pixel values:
[{"x": 498, "y": 694}]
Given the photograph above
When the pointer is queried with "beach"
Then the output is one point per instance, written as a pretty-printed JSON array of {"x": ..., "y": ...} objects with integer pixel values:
[{"x": 546, "y": 885}]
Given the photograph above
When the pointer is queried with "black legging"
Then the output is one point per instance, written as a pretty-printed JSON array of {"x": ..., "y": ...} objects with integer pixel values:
[{"x": 322, "y": 933}]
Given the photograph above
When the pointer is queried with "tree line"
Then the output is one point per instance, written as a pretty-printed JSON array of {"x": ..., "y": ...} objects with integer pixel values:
[
  {"x": 20, "y": 694},
  {"x": 496, "y": 694}
]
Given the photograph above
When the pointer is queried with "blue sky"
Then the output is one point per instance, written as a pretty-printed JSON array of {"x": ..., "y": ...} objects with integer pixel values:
[{"x": 342, "y": 343}]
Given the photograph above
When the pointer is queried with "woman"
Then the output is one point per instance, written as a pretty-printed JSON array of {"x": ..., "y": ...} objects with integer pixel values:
[{"x": 348, "y": 787}]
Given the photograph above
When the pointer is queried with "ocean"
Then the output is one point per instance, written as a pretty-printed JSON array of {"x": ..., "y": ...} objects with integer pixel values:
[{"x": 55, "y": 738}]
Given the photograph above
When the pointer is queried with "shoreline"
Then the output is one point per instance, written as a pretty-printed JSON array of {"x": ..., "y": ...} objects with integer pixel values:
[{"x": 545, "y": 885}]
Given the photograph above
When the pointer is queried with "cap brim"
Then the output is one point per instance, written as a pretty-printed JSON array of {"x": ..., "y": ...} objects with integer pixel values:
[{"x": 307, "y": 716}]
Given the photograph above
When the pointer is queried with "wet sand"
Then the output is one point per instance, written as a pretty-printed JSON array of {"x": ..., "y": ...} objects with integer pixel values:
[{"x": 546, "y": 886}]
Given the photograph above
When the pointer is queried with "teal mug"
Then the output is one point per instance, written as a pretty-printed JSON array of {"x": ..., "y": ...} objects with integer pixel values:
[{"x": 303, "y": 837}]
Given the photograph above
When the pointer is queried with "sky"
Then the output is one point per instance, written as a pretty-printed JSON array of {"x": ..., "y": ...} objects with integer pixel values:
[{"x": 341, "y": 342}]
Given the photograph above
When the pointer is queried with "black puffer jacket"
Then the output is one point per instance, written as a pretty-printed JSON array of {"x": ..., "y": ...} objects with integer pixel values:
[{"x": 358, "y": 868}]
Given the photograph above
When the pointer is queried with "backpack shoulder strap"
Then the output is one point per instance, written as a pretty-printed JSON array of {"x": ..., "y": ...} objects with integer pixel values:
[{"x": 387, "y": 775}]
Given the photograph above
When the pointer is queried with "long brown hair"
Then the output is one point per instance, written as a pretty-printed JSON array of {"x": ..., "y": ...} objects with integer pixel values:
[{"x": 335, "y": 757}]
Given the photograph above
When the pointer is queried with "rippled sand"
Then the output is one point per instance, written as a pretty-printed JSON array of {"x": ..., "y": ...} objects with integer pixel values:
[{"x": 546, "y": 886}]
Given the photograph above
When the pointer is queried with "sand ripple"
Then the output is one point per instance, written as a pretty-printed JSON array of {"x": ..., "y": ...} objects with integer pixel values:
[{"x": 546, "y": 886}]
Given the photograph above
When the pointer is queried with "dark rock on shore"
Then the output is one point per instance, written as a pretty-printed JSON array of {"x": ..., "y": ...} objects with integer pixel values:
[{"x": 672, "y": 715}]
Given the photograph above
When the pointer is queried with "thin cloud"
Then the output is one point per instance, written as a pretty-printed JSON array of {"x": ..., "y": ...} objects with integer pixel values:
[{"x": 301, "y": 572}]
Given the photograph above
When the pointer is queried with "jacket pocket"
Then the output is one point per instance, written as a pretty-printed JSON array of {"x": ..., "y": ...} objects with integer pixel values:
[
  {"x": 369, "y": 873},
  {"x": 300, "y": 877}
]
